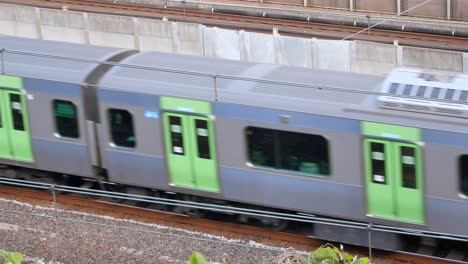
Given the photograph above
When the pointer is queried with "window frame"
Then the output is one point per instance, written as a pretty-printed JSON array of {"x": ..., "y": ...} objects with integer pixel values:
[
  {"x": 56, "y": 133},
  {"x": 277, "y": 154},
  {"x": 111, "y": 137}
]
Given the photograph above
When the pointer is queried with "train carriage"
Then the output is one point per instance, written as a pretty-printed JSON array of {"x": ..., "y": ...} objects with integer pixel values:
[
  {"x": 385, "y": 150},
  {"x": 46, "y": 104}
]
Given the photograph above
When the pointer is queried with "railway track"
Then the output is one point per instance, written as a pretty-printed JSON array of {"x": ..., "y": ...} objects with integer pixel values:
[
  {"x": 292, "y": 238},
  {"x": 256, "y": 24}
]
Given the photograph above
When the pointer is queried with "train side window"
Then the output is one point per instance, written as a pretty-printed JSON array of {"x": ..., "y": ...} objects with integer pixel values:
[
  {"x": 290, "y": 151},
  {"x": 121, "y": 128},
  {"x": 463, "y": 168},
  {"x": 17, "y": 112},
  {"x": 261, "y": 142},
  {"x": 66, "y": 119}
]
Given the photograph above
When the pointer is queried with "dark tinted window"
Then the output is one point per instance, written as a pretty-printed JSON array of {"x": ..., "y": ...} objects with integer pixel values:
[
  {"x": 203, "y": 139},
  {"x": 66, "y": 121},
  {"x": 435, "y": 92},
  {"x": 176, "y": 135},
  {"x": 449, "y": 94},
  {"x": 378, "y": 163},
  {"x": 284, "y": 150},
  {"x": 17, "y": 112},
  {"x": 408, "y": 167},
  {"x": 464, "y": 174},
  {"x": 407, "y": 89},
  {"x": 464, "y": 96},
  {"x": 421, "y": 91},
  {"x": 394, "y": 88},
  {"x": 121, "y": 126}
]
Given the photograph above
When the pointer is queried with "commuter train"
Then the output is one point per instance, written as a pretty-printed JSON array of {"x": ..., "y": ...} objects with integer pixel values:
[{"x": 387, "y": 150}]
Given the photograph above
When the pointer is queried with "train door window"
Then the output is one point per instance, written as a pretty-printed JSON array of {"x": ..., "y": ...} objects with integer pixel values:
[
  {"x": 408, "y": 170},
  {"x": 202, "y": 138},
  {"x": 17, "y": 112},
  {"x": 463, "y": 168},
  {"x": 66, "y": 121},
  {"x": 177, "y": 138},
  {"x": 303, "y": 152},
  {"x": 121, "y": 128},
  {"x": 261, "y": 146},
  {"x": 378, "y": 163}
]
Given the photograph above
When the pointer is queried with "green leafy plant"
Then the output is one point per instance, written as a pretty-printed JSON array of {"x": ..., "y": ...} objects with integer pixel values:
[
  {"x": 10, "y": 257},
  {"x": 326, "y": 254},
  {"x": 197, "y": 258},
  {"x": 329, "y": 254}
]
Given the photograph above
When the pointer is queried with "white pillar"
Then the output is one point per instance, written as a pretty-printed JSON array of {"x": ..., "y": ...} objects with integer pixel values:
[
  {"x": 449, "y": 9},
  {"x": 398, "y": 4},
  {"x": 305, "y": 3},
  {"x": 351, "y": 5}
]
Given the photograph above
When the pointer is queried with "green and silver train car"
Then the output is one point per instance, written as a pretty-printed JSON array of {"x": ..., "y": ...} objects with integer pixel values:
[{"x": 386, "y": 150}]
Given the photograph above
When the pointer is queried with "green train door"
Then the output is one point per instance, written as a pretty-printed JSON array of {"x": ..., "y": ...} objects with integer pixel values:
[
  {"x": 15, "y": 139},
  {"x": 394, "y": 180},
  {"x": 190, "y": 148}
]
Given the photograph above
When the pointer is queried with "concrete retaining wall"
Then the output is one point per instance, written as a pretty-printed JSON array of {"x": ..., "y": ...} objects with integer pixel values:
[{"x": 194, "y": 39}]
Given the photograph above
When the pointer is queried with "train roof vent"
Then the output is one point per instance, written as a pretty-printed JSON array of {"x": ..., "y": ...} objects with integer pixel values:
[{"x": 412, "y": 90}]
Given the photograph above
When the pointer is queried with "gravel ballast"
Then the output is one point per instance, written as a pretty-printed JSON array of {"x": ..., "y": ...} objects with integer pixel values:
[{"x": 73, "y": 237}]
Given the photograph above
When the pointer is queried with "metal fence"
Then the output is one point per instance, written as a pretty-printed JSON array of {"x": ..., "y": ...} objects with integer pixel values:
[{"x": 303, "y": 218}]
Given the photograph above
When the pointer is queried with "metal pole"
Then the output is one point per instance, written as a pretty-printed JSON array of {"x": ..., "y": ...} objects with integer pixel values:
[
  {"x": 369, "y": 237},
  {"x": 351, "y": 5},
  {"x": 52, "y": 190},
  {"x": 1, "y": 58},
  {"x": 215, "y": 77},
  {"x": 368, "y": 24}
]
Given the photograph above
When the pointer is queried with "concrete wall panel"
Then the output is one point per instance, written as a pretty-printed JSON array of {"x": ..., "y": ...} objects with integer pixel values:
[
  {"x": 156, "y": 35},
  {"x": 434, "y": 59},
  {"x": 293, "y": 51},
  {"x": 62, "y": 18},
  {"x": 333, "y": 55},
  {"x": 73, "y": 35},
  {"x": 258, "y": 48},
  {"x": 112, "y": 39},
  {"x": 375, "y": 58},
  {"x": 288, "y": 2},
  {"x": 220, "y": 43},
  {"x": 13, "y": 28},
  {"x": 18, "y": 21},
  {"x": 18, "y": 13},
  {"x": 460, "y": 9},
  {"x": 330, "y": 3},
  {"x": 435, "y": 8},
  {"x": 189, "y": 38},
  {"x": 376, "y": 6},
  {"x": 108, "y": 23}
]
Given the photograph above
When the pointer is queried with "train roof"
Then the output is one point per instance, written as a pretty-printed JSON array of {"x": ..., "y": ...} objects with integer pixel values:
[
  {"x": 42, "y": 59},
  {"x": 264, "y": 85}
]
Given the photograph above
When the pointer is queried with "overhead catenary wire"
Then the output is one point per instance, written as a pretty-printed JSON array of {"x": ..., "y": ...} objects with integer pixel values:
[{"x": 386, "y": 20}]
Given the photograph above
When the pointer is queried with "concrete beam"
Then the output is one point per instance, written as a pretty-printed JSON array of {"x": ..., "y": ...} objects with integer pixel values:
[{"x": 433, "y": 59}]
